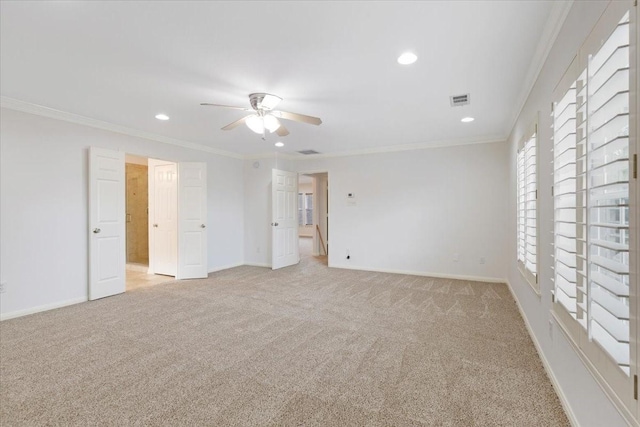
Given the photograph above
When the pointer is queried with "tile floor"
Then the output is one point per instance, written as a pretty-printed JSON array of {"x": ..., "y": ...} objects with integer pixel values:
[{"x": 137, "y": 277}]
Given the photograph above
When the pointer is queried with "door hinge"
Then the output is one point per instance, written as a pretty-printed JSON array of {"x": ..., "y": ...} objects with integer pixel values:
[
  {"x": 635, "y": 387},
  {"x": 635, "y": 166},
  {"x": 552, "y": 191},
  {"x": 536, "y": 194}
]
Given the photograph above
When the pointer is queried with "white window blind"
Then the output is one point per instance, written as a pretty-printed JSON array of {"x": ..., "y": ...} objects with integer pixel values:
[
  {"x": 591, "y": 198},
  {"x": 305, "y": 209},
  {"x": 526, "y": 170},
  {"x": 309, "y": 208}
]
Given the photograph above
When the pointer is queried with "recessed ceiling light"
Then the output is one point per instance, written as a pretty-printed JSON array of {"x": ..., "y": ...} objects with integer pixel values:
[
  {"x": 467, "y": 119},
  {"x": 162, "y": 117},
  {"x": 279, "y": 144},
  {"x": 407, "y": 58}
]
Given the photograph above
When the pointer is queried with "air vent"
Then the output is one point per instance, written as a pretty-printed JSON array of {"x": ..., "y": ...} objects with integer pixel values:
[
  {"x": 458, "y": 100},
  {"x": 307, "y": 152}
]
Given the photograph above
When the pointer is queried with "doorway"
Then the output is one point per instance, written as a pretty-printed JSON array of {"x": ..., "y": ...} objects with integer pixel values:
[
  {"x": 313, "y": 213},
  {"x": 137, "y": 208},
  {"x": 177, "y": 195}
]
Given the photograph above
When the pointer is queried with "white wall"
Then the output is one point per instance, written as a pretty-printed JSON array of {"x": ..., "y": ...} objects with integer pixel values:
[
  {"x": 414, "y": 210},
  {"x": 585, "y": 398},
  {"x": 43, "y": 201}
]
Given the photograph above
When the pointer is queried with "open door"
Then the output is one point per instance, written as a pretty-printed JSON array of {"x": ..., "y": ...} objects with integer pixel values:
[
  {"x": 284, "y": 214},
  {"x": 106, "y": 223},
  {"x": 163, "y": 217},
  {"x": 192, "y": 221}
]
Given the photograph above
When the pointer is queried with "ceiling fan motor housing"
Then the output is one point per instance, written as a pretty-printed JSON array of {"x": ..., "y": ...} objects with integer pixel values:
[{"x": 263, "y": 101}]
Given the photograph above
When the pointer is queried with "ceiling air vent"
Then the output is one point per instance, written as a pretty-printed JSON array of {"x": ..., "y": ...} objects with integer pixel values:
[
  {"x": 307, "y": 152},
  {"x": 458, "y": 100}
]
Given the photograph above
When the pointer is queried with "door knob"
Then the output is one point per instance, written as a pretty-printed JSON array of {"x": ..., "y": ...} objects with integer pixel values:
[
  {"x": 275, "y": 224},
  {"x": 155, "y": 225},
  {"x": 96, "y": 230},
  {"x": 202, "y": 226}
]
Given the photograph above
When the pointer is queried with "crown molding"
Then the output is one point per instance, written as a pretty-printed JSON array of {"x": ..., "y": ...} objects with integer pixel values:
[
  {"x": 388, "y": 149},
  {"x": 380, "y": 150},
  {"x": 555, "y": 21},
  {"x": 27, "y": 107}
]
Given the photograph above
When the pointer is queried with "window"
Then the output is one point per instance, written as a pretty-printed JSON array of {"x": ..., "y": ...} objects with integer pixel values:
[
  {"x": 305, "y": 209},
  {"x": 594, "y": 206},
  {"x": 527, "y": 207},
  {"x": 309, "y": 209}
]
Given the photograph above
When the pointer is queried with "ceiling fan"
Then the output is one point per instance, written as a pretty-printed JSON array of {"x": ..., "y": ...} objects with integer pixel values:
[{"x": 264, "y": 117}]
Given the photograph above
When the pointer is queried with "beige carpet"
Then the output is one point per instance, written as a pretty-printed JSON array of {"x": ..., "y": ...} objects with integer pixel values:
[{"x": 306, "y": 345}]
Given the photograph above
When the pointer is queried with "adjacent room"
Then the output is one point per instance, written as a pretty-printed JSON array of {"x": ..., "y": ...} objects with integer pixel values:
[{"x": 282, "y": 213}]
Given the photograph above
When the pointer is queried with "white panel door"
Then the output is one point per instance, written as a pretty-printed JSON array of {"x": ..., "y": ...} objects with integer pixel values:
[
  {"x": 106, "y": 223},
  {"x": 192, "y": 221},
  {"x": 284, "y": 219},
  {"x": 163, "y": 218}
]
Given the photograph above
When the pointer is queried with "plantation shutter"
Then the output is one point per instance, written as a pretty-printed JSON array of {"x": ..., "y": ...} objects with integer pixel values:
[
  {"x": 527, "y": 183},
  {"x": 521, "y": 207},
  {"x": 531, "y": 194},
  {"x": 564, "y": 184},
  {"x": 608, "y": 194},
  {"x": 591, "y": 197}
]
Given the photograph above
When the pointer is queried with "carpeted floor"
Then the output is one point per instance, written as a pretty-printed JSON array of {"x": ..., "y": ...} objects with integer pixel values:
[{"x": 305, "y": 345}]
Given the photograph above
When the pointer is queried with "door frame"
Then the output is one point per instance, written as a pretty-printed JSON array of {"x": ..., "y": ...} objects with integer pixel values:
[
  {"x": 124, "y": 200},
  {"x": 329, "y": 215}
]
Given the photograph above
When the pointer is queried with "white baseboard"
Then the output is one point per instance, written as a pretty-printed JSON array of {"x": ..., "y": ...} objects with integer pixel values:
[
  {"x": 46, "y": 307},
  {"x": 547, "y": 367},
  {"x": 427, "y": 274},
  {"x": 226, "y": 267}
]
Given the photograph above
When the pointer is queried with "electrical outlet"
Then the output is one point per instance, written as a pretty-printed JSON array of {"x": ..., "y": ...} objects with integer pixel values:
[
  {"x": 482, "y": 260},
  {"x": 3, "y": 287},
  {"x": 456, "y": 257}
]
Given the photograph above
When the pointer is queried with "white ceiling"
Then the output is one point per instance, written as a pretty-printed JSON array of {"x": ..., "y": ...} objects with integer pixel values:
[{"x": 124, "y": 62}]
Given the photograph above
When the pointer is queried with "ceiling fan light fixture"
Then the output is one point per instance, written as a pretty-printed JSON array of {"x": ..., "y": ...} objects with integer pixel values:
[
  {"x": 254, "y": 122},
  {"x": 271, "y": 123}
]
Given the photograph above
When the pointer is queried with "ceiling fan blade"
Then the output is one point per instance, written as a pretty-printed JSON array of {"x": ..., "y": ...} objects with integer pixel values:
[
  {"x": 297, "y": 117},
  {"x": 236, "y": 123},
  {"x": 225, "y": 106},
  {"x": 282, "y": 131}
]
